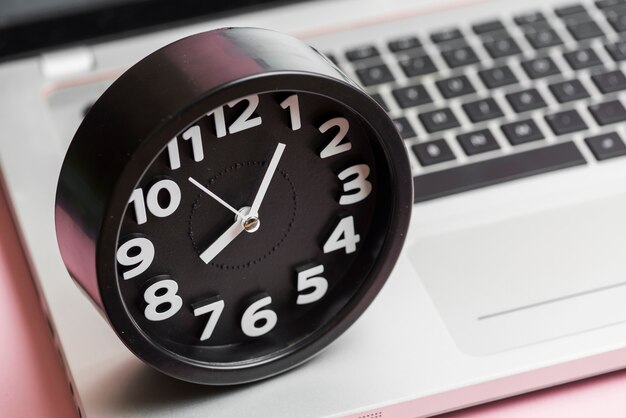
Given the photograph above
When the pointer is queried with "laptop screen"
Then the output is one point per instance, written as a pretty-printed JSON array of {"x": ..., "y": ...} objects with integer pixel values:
[{"x": 29, "y": 27}]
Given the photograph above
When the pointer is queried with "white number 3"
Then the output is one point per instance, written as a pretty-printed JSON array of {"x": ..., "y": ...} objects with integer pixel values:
[{"x": 360, "y": 183}]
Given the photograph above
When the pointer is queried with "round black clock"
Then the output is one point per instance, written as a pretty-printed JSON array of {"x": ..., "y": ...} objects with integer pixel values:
[{"x": 233, "y": 203}]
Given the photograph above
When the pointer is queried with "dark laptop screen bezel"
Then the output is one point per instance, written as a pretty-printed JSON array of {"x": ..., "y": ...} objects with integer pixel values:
[{"x": 81, "y": 27}]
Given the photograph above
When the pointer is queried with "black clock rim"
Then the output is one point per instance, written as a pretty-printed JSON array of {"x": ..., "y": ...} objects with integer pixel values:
[{"x": 399, "y": 174}]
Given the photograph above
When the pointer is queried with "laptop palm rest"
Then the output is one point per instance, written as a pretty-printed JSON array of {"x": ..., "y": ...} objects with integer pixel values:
[{"x": 528, "y": 279}]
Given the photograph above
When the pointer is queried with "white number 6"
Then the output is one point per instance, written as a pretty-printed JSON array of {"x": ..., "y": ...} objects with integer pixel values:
[{"x": 254, "y": 314}]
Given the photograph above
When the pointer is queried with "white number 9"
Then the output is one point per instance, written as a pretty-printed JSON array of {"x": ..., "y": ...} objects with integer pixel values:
[{"x": 141, "y": 260}]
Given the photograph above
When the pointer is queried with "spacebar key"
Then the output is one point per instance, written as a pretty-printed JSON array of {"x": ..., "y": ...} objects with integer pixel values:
[{"x": 498, "y": 170}]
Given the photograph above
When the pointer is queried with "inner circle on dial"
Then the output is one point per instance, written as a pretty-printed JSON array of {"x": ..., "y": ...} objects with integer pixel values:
[{"x": 207, "y": 219}]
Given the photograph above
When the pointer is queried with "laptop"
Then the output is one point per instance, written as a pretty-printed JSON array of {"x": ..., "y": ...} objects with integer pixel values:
[{"x": 513, "y": 276}]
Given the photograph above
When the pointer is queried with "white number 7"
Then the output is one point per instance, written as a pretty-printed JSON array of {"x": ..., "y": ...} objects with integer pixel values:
[{"x": 214, "y": 308}]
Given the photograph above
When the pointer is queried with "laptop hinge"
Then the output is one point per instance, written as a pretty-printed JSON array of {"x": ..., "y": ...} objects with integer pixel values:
[{"x": 69, "y": 62}]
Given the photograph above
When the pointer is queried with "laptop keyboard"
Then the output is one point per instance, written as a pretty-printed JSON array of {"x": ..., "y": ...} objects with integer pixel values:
[{"x": 501, "y": 99}]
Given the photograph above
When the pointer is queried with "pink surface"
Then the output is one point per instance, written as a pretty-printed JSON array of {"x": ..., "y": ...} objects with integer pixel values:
[
  {"x": 33, "y": 384},
  {"x": 32, "y": 381}
]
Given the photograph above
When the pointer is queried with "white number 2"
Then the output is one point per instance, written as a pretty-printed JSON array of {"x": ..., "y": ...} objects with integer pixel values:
[
  {"x": 310, "y": 279},
  {"x": 335, "y": 147},
  {"x": 343, "y": 236},
  {"x": 162, "y": 305},
  {"x": 360, "y": 183}
]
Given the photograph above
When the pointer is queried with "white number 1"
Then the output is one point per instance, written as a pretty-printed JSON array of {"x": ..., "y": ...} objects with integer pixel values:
[{"x": 292, "y": 104}]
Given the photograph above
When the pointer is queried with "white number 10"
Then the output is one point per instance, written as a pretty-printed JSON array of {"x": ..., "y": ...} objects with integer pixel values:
[{"x": 152, "y": 201}]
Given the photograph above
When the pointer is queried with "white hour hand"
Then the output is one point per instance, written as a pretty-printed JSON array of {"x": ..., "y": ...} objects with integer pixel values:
[{"x": 221, "y": 243}]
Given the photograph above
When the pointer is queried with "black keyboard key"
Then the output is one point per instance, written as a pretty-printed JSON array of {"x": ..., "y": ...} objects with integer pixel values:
[
  {"x": 404, "y": 44},
  {"x": 604, "y": 4},
  {"x": 376, "y": 74},
  {"x": 529, "y": 18},
  {"x": 497, "y": 170},
  {"x": 525, "y": 100},
  {"x": 606, "y": 146},
  {"x": 362, "y": 52},
  {"x": 584, "y": 30},
  {"x": 379, "y": 99},
  {"x": 439, "y": 120},
  {"x": 482, "y": 110},
  {"x": 617, "y": 50},
  {"x": 582, "y": 58},
  {"x": 404, "y": 128},
  {"x": 485, "y": 27},
  {"x": 477, "y": 142},
  {"x": 415, "y": 66},
  {"x": 565, "y": 122},
  {"x": 522, "y": 131},
  {"x": 610, "y": 81},
  {"x": 569, "y": 10},
  {"x": 455, "y": 86},
  {"x": 497, "y": 77},
  {"x": 446, "y": 36},
  {"x": 411, "y": 96},
  {"x": 543, "y": 38},
  {"x": 540, "y": 67},
  {"x": 608, "y": 112},
  {"x": 617, "y": 21},
  {"x": 459, "y": 57},
  {"x": 566, "y": 91},
  {"x": 577, "y": 18},
  {"x": 502, "y": 47},
  {"x": 433, "y": 152}
]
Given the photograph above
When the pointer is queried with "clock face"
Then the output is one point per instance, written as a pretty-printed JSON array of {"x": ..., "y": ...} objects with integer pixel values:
[{"x": 253, "y": 230}]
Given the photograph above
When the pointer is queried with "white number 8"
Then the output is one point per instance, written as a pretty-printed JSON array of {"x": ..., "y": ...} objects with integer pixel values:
[{"x": 169, "y": 301}]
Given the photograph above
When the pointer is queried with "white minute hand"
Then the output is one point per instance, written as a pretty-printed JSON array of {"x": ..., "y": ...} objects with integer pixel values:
[{"x": 271, "y": 168}]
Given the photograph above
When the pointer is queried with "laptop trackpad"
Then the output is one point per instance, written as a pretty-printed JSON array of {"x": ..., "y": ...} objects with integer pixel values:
[{"x": 528, "y": 279}]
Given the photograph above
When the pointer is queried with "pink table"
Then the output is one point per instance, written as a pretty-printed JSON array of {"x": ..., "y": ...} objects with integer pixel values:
[{"x": 33, "y": 384}]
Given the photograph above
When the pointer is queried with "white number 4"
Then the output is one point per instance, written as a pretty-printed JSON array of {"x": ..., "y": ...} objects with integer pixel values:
[
  {"x": 343, "y": 236},
  {"x": 310, "y": 279}
]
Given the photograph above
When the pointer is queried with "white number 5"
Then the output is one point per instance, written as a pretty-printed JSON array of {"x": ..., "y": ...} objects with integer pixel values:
[{"x": 310, "y": 279}]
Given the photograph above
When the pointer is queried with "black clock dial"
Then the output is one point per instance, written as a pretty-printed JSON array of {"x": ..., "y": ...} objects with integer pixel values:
[{"x": 217, "y": 277}]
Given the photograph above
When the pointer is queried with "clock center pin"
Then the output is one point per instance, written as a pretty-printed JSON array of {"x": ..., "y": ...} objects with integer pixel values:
[{"x": 250, "y": 223}]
